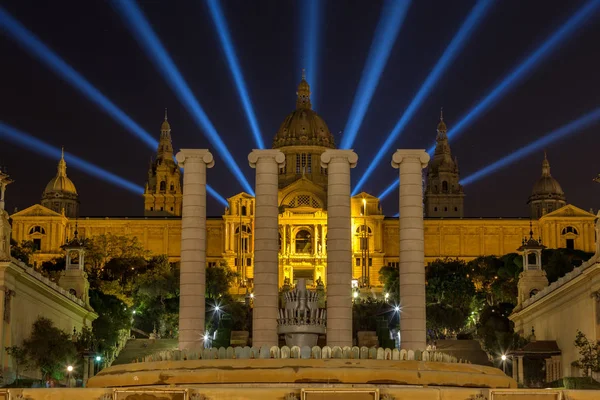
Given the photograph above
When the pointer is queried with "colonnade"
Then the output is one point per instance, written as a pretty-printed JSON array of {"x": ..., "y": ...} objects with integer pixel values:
[{"x": 339, "y": 246}]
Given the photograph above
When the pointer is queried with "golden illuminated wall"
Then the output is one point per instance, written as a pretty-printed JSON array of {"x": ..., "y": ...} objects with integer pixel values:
[{"x": 462, "y": 238}]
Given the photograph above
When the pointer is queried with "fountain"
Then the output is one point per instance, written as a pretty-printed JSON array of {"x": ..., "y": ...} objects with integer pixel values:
[{"x": 301, "y": 320}]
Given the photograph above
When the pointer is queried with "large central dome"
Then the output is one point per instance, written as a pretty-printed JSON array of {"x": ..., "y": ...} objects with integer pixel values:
[{"x": 303, "y": 127}]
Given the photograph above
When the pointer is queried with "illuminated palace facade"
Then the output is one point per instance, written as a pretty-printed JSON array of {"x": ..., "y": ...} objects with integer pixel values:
[{"x": 302, "y": 137}]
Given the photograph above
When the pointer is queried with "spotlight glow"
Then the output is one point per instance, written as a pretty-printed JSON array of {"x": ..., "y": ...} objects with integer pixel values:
[
  {"x": 309, "y": 36},
  {"x": 221, "y": 25},
  {"x": 29, "y": 142},
  {"x": 148, "y": 39},
  {"x": 390, "y": 22},
  {"x": 40, "y": 51},
  {"x": 471, "y": 22},
  {"x": 560, "y": 133},
  {"x": 517, "y": 75},
  {"x": 216, "y": 195},
  {"x": 388, "y": 190}
]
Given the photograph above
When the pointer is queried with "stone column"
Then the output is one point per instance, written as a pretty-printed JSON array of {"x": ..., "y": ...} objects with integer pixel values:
[
  {"x": 266, "y": 261},
  {"x": 520, "y": 374},
  {"x": 515, "y": 368},
  {"x": 412, "y": 250},
  {"x": 339, "y": 246},
  {"x": 193, "y": 248}
]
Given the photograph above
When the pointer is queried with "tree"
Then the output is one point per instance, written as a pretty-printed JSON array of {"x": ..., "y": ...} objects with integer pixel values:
[
  {"x": 496, "y": 332},
  {"x": 390, "y": 277},
  {"x": 20, "y": 358},
  {"x": 558, "y": 262},
  {"x": 22, "y": 251},
  {"x": 589, "y": 354},
  {"x": 103, "y": 248},
  {"x": 52, "y": 269},
  {"x": 449, "y": 293},
  {"x": 49, "y": 348},
  {"x": 113, "y": 316},
  {"x": 219, "y": 279}
]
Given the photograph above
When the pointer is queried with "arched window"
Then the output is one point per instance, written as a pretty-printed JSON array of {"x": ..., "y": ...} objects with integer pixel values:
[
  {"x": 163, "y": 186},
  {"x": 244, "y": 210},
  {"x": 73, "y": 292},
  {"x": 434, "y": 208},
  {"x": 361, "y": 230},
  {"x": 531, "y": 259},
  {"x": 172, "y": 187},
  {"x": 533, "y": 292},
  {"x": 303, "y": 241},
  {"x": 37, "y": 229},
  {"x": 444, "y": 187},
  {"x": 570, "y": 229}
]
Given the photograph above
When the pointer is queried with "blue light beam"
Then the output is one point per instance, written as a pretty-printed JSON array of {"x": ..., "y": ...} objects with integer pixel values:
[
  {"x": 40, "y": 51},
  {"x": 309, "y": 37},
  {"x": 234, "y": 66},
  {"x": 216, "y": 195},
  {"x": 476, "y": 15},
  {"x": 29, "y": 142},
  {"x": 517, "y": 75},
  {"x": 388, "y": 190},
  {"x": 148, "y": 39},
  {"x": 546, "y": 140},
  {"x": 390, "y": 22}
]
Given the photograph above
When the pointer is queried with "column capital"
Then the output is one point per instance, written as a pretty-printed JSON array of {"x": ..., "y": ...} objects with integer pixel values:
[
  {"x": 347, "y": 155},
  {"x": 195, "y": 155},
  {"x": 276, "y": 155},
  {"x": 403, "y": 155}
]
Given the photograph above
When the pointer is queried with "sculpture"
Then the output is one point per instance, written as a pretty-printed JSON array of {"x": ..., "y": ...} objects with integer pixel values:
[{"x": 301, "y": 320}]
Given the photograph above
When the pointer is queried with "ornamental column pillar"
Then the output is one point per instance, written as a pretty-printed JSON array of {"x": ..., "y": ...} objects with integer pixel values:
[
  {"x": 520, "y": 373},
  {"x": 193, "y": 247},
  {"x": 412, "y": 252},
  {"x": 266, "y": 248},
  {"x": 339, "y": 246}
]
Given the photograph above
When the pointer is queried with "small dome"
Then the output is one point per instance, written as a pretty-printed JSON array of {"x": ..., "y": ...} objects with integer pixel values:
[
  {"x": 60, "y": 184},
  {"x": 546, "y": 186},
  {"x": 303, "y": 127}
]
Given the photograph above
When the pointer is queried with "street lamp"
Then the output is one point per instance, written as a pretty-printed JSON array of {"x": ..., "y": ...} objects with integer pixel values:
[
  {"x": 503, "y": 358},
  {"x": 69, "y": 370}
]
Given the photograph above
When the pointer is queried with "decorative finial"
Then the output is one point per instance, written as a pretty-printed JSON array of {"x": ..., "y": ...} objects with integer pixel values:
[
  {"x": 165, "y": 114},
  {"x": 530, "y": 229},
  {"x": 62, "y": 152},
  {"x": 304, "y": 73},
  {"x": 442, "y": 114}
]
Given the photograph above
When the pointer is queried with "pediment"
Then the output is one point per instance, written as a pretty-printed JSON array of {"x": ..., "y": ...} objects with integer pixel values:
[
  {"x": 36, "y": 210},
  {"x": 302, "y": 186},
  {"x": 241, "y": 195},
  {"x": 568, "y": 211},
  {"x": 365, "y": 195}
]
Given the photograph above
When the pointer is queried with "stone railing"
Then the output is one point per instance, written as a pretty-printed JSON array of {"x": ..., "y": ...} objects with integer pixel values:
[
  {"x": 42, "y": 279},
  {"x": 316, "y": 352},
  {"x": 562, "y": 281}
]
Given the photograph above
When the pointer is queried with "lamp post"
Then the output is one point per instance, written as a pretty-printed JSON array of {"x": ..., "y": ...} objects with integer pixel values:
[
  {"x": 503, "y": 358},
  {"x": 364, "y": 247},
  {"x": 69, "y": 371}
]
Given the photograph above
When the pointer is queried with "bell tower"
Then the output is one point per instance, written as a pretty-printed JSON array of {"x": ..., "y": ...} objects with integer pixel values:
[
  {"x": 74, "y": 278},
  {"x": 533, "y": 278},
  {"x": 444, "y": 195},
  {"x": 163, "y": 192}
]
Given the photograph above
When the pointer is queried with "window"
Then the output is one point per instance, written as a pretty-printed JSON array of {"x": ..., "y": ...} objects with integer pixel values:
[
  {"x": 309, "y": 163},
  {"x": 212, "y": 264},
  {"x": 323, "y": 171},
  {"x": 434, "y": 208},
  {"x": 245, "y": 240},
  {"x": 357, "y": 262},
  {"x": 569, "y": 229},
  {"x": 445, "y": 208},
  {"x": 249, "y": 262},
  {"x": 361, "y": 230},
  {"x": 37, "y": 244},
  {"x": 445, "y": 187},
  {"x": 37, "y": 229},
  {"x": 303, "y": 242},
  {"x": 162, "y": 209},
  {"x": 455, "y": 208},
  {"x": 151, "y": 208},
  {"x": 298, "y": 168},
  {"x": 533, "y": 292},
  {"x": 244, "y": 211},
  {"x": 393, "y": 264},
  {"x": 531, "y": 259},
  {"x": 172, "y": 187},
  {"x": 370, "y": 262},
  {"x": 163, "y": 186},
  {"x": 283, "y": 169},
  {"x": 303, "y": 163},
  {"x": 171, "y": 208},
  {"x": 571, "y": 244}
]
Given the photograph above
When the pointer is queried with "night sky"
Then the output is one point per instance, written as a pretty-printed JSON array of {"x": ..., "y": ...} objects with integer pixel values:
[{"x": 269, "y": 35}]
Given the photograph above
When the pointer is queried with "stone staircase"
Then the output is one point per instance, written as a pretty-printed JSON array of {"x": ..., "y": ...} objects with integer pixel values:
[{"x": 140, "y": 348}]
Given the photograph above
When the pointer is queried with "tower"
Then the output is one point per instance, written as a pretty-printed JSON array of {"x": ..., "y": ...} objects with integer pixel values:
[
  {"x": 444, "y": 196},
  {"x": 163, "y": 194},
  {"x": 60, "y": 194},
  {"x": 533, "y": 278},
  {"x": 74, "y": 278},
  {"x": 5, "y": 228},
  {"x": 547, "y": 195}
]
